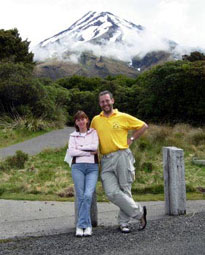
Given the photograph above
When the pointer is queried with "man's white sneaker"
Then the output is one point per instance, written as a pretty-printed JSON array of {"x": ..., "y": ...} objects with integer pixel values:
[
  {"x": 79, "y": 232},
  {"x": 88, "y": 231}
]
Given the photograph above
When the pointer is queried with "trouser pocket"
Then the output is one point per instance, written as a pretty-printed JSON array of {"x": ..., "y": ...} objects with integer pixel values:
[
  {"x": 130, "y": 166},
  {"x": 131, "y": 175}
]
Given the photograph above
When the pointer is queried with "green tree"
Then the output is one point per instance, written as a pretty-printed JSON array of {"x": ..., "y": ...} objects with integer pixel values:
[
  {"x": 173, "y": 92},
  {"x": 13, "y": 48},
  {"x": 22, "y": 93},
  {"x": 80, "y": 82},
  {"x": 194, "y": 56},
  {"x": 83, "y": 100},
  {"x": 13, "y": 77}
]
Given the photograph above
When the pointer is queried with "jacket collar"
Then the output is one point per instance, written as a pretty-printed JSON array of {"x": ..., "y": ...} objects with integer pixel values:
[{"x": 75, "y": 133}]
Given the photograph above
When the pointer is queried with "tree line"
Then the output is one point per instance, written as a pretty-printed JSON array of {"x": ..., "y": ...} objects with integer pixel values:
[{"x": 169, "y": 93}]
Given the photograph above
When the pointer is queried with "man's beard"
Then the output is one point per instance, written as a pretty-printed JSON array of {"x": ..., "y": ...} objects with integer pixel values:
[{"x": 109, "y": 110}]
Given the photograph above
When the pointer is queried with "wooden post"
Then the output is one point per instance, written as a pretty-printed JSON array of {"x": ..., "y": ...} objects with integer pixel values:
[
  {"x": 174, "y": 181},
  {"x": 93, "y": 210}
]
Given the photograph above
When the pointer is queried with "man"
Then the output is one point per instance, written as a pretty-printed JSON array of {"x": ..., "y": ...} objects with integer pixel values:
[{"x": 117, "y": 170}]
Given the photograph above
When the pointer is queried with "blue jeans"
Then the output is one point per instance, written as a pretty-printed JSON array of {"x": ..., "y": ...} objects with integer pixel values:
[{"x": 85, "y": 176}]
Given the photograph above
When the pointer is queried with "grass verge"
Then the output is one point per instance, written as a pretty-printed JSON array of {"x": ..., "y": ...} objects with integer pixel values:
[
  {"x": 20, "y": 128},
  {"x": 47, "y": 177},
  {"x": 9, "y": 137}
]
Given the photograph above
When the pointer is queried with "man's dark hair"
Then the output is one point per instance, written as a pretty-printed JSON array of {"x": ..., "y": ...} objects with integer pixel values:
[{"x": 106, "y": 92}]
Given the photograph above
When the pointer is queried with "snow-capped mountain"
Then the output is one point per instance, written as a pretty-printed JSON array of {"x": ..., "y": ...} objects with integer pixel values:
[
  {"x": 103, "y": 34},
  {"x": 101, "y": 44},
  {"x": 96, "y": 28}
]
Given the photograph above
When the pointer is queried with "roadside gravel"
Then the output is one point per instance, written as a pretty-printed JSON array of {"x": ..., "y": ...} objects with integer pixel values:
[{"x": 171, "y": 235}]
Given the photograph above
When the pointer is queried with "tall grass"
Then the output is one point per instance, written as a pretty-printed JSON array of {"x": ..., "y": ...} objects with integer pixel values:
[
  {"x": 148, "y": 154},
  {"x": 18, "y": 128},
  {"x": 30, "y": 123},
  {"x": 46, "y": 176}
]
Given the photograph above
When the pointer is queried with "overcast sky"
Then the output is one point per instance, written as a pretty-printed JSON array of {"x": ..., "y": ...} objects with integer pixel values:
[{"x": 180, "y": 20}]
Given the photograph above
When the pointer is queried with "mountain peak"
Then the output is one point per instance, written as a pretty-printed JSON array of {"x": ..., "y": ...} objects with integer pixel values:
[{"x": 95, "y": 27}]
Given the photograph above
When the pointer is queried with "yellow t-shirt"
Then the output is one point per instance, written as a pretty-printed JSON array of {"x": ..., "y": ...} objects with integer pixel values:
[{"x": 113, "y": 130}]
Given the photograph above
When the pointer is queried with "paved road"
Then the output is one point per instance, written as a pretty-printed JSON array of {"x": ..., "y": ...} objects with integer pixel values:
[
  {"x": 37, "y": 218},
  {"x": 183, "y": 235},
  {"x": 54, "y": 139}
]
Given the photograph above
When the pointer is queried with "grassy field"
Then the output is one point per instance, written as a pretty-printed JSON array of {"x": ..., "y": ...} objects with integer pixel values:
[{"x": 47, "y": 177}]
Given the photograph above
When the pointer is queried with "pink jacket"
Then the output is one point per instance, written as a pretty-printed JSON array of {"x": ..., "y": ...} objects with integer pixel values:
[{"x": 80, "y": 145}]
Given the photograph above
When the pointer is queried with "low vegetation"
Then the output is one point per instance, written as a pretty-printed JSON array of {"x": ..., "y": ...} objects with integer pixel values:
[
  {"x": 16, "y": 128},
  {"x": 47, "y": 177}
]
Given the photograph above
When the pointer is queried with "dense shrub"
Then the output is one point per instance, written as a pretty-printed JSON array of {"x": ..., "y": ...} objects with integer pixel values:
[
  {"x": 17, "y": 161},
  {"x": 20, "y": 92},
  {"x": 26, "y": 95},
  {"x": 82, "y": 100},
  {"x": 80, "y": 82},
  {"x": 173, "y": 92},
  {"x": 169, "y": 93},
  {"x": 14, "y": 79}
]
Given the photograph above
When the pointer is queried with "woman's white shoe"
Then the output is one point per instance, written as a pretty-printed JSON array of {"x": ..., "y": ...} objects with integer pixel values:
[
  {"x": 88, "y": 231},
  {"x": 79, "y": 232}
]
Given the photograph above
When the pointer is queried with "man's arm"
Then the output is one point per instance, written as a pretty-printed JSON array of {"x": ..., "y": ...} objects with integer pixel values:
[{"x": 137, "y": 133}]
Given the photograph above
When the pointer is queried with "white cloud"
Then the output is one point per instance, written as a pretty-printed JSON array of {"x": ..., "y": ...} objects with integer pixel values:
[{"x": 133, "y": 44}]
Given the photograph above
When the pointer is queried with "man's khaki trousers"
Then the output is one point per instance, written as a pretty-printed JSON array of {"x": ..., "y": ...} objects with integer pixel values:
[{"x": 117, "y": 174}]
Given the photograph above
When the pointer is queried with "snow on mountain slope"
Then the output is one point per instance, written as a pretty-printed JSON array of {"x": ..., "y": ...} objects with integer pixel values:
[
  {"x": 93, "y": 25},
  {"x": 105, "y": 35}
]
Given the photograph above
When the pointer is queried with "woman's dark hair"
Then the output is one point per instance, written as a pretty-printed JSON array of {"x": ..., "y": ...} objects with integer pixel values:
[{"x": 80, "y": 115}]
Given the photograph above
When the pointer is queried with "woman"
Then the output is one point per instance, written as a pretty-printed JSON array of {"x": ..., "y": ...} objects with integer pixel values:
[{"x": 83, "y": 144}]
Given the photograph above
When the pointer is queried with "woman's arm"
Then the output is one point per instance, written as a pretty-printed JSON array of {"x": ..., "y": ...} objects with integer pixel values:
[
  {"x": 93, "y": 144},
  {"x": 73, "y": 152}
]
